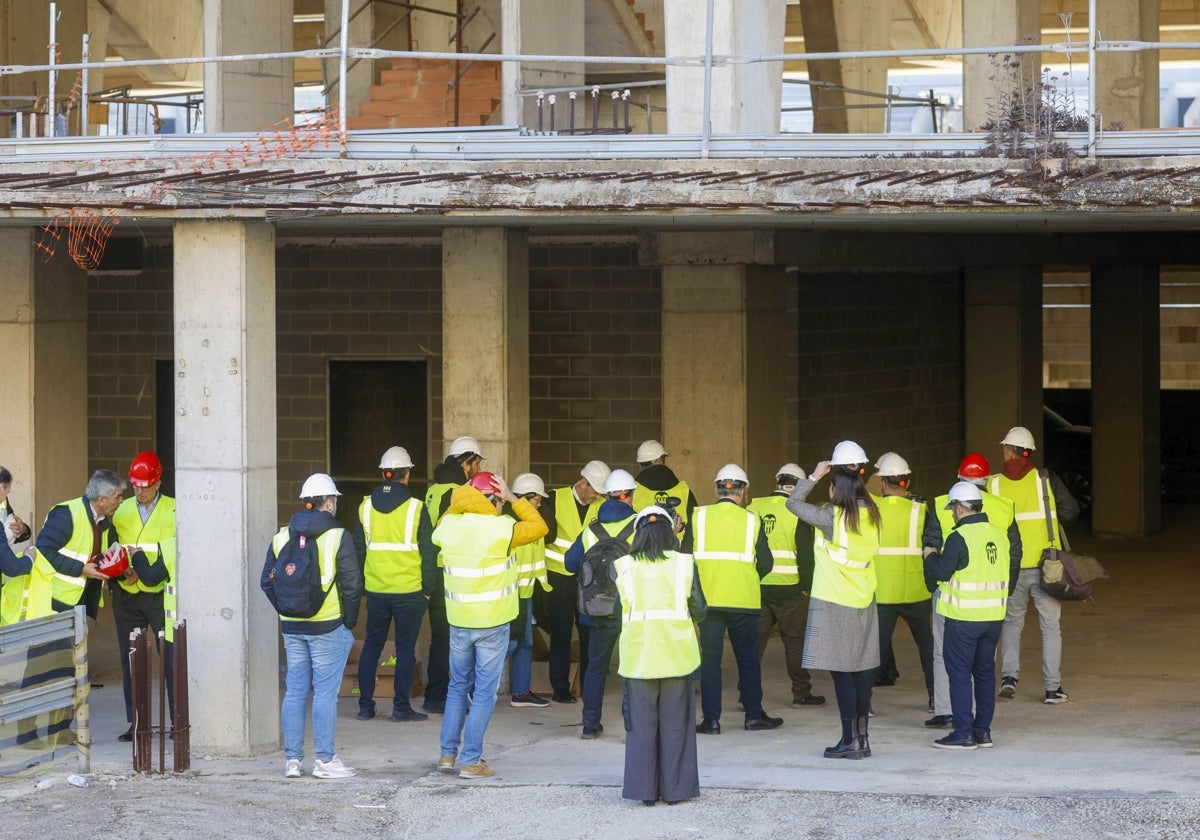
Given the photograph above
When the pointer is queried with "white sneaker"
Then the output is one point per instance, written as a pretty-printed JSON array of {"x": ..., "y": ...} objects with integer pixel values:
[
  {"x": 291, "y": 770},
  {"x": 332, "y": 769}
]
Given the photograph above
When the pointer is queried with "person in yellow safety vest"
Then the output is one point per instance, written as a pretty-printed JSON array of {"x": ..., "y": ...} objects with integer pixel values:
[
  {"x": 785, "y": 590},
  {"x": 843, "y": 623},
  {"x": 15, "y": 528},
  {"x": 660, "y": 599},
  {"x": 142, "y": 521},
  {"x": 531, "y": 573},
  {"x": 975, "y": 469},
  {"x": 572, "y": 510},
  {"x": 15, "y": 532},
  {"x": 477, "y": 545},
  {"x": 463, "y": 461},
  {"x": 317, "y": 646},
  {"x": 614, "y": 519},
  {"x": 978, "y": 580},
  {"x": 394, "y": 537},
  {"x": 1037, "y": 496},
  {"x": 732, "y": 556},
  {"x": 899, "y": 574},
  {"x": 657, "y": 483}
]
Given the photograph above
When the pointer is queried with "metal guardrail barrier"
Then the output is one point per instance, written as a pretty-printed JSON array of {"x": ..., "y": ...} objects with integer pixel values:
[{"x": 44, "y": 672}]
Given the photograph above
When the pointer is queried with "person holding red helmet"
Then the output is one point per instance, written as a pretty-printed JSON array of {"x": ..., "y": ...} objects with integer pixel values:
[
  {"x": 142, "y": 522},
  {"x": 1000, "y": 512}
]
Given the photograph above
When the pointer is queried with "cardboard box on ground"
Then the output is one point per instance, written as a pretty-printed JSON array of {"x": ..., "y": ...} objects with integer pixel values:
[{"x": 385, "y": 675}]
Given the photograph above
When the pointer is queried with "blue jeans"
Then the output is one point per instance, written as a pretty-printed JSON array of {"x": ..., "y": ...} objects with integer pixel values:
[
  {"x": 602, "y": 639},
  {"x": 476, "y": 656},
  {"x": 314, "y": 666},
  {"x": 382, "y": 609},
  {"x": 520, "y": 648},
  {"x": 969, "y": 650}
]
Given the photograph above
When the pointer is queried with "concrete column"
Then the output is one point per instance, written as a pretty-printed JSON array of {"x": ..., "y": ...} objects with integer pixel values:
[
  {"x": 247, "y": 96},
  {"x": 988, "y": 23},
  {"x": 1002, "y": 355},
  {"x": 485, "y": 343},
  {"x": 1127, "y": 82},
  {"x": 225, "y": 433},
  {"x": 844, "y": 26},
  {"x": 745, "y": 97},
  {"x": 43, "y": 330},
  {"x": 723, "y": 330},
  {"x": 1126, "y": 427},
  {"x": 541, "y": 27}
]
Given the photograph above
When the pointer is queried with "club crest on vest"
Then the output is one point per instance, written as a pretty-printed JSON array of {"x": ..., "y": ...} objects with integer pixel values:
[
  {"x": 289, "y": 569},
  {"x": 992, "y": 552},
  {"x": 768, "y": 523}
]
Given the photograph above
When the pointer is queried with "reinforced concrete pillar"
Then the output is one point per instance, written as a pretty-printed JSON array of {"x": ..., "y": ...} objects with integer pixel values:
[
  {"x": 723, "y": 356},
  {"x": 845, "y": 26},
  {"x": 1127, "y": 82},
  {"x": 251, "y": 95},
  {"x": 996, "y": 23},
  {"x": 43, "y": 330},
  {"x": 1126, "y": 422},
  {"x": 542, "y": 27},
  {"x": 1002, "y": 356},
  {"x": 745, "y": 98},
  {"x": 485, "y": 343},
  {"x": 225, "y": 451}
]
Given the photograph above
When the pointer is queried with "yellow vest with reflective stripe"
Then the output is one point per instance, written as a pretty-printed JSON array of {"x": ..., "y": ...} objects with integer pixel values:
[
  {"x": 568, "y": 527},
  {"x": 644, "y": 497},
  {"x": 724, "y": 536},
  {"x": 46, "y": 584},
  {"x": 780, "y": 525},
  {"x": 433, "y": 500},
  {"x": 480, "y": 573},
  {"x": 844, "y": 568},
  {"x": 327, "y": 548},
  {"x": 980, "y": 591},
  {"x": 899, "y": 566},
  {"x": 393, "y": 563},
  {"x": 531, "y": 567},
  {"x": 14, "y": 599},
  {"x": 167, "y": 551},
  {"x": 613, "y": 529},
  {"x": 1029, "y": 510},
  {"x": 658, "y": 639},
  {"x": 159, "y": 526},
  {"x": 998, "y": 509}
]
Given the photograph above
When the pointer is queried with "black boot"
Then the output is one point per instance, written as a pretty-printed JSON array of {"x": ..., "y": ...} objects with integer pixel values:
[
  {"x": 846, "y": 746},
  {"x": 863, "y": 743}
]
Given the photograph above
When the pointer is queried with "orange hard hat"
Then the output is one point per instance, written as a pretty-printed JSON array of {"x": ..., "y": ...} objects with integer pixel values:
[{"x": 145, "y": 469}]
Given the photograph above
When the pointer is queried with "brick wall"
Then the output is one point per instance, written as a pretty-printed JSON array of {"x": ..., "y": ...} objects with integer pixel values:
[
  {"x": 595, "y": 347},
  {"x": 880, "y": 362}
]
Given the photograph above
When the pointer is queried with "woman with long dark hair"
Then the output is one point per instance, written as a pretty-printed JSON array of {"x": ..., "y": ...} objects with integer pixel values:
[
  {"x": 660, "y": 599},
  {"x": 843, "y": 626}
]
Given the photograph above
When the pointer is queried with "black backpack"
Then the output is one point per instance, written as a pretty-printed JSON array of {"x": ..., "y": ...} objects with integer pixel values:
[
  {"x": 296, "y": 578},
  {"x": 597, "y": 580}
]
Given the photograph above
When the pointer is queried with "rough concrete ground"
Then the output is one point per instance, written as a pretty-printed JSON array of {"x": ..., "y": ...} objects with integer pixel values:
[{"x": 1118, "y": 761}]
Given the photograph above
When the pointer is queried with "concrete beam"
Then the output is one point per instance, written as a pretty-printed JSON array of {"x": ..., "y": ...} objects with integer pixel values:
[
  {"x": 742, "y": 247},
  {"x": 225, "y": 450},
  {"x": 247, "y": 96},
  {"x": 1126, "y": 402},
  {"x": 150, "y": 29},
  {"x": 485, "y": 343},
  {"x": 43, "y": 329}
]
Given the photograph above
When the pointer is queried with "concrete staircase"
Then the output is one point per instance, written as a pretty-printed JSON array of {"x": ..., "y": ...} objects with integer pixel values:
[
  {"x": 641, "y": 20},
  {"x": 414, "y": 94}
]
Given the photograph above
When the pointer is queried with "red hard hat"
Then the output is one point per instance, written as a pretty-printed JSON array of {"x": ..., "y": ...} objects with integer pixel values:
[
  {"x": 974, "y": 466},
  {"x": 145, "y": 469},
  {"x": 113, "y": 562},
  {"x": 485, "y": 483}
]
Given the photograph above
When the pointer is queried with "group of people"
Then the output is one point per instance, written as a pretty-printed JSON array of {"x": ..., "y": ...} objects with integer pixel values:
[
  {"x": 487, "y": 559},
  {"x": 86, "y": 544}
]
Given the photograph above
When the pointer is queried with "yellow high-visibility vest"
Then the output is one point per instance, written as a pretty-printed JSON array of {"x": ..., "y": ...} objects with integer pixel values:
[
  {"x": 1029, "y": 511},
  {"x": 980, "y": 591},
  {"x": 133, "y": 534},
  {"x": 780, "y": 525},
  {"x": 480, "y": 573},
  {"x": 644, "y": 497},
  {"x": 899, "y": 566},
  {"x": 658, "y": 639},
  {"x": 724, "y": 537},
  {"x": 844, "y": 567},
  {"x": 569, "y": 526},
  {"x": 393, "y": 562},
  {"x": 327, "y": 548}
]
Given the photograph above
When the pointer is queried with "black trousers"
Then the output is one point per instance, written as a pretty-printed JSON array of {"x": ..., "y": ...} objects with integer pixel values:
[
  {"x": 742, "y": 628},
  {"x": 131, "y": 611},
  {"x": 382, "y": 609},
  {"x": 438, "y": 665},
  {"x": 562, "y": 615},
  {"x": 919, "y": 617}
]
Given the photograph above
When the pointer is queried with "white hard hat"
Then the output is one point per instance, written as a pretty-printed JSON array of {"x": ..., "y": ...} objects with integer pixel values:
[
  {"x": 396, "y": 458},
  {"x": 317, "y": 485},
  {"x": 653, "y": 511},
  {"x": 732, "y": 472},
  {"x": 650, "y": 450},
  {"x": 527, "y": 483},
  {"x": 891, "y": 465},
  {"x": 964, "y": 491},
  {"x": 596, "y": 473},
  {"x": 619, "y": 481},
  {"x": 848, "y": 453},
  {"x": 464, "y": 446},
  {"x": 791, "y": 469},
  {"x": 1019, "y": 437}
]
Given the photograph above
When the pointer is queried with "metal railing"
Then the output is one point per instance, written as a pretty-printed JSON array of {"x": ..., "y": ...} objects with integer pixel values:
[{"x": 709, "y": 60}]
